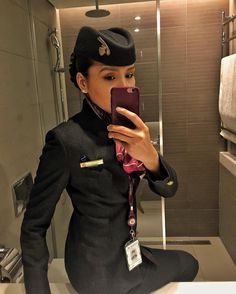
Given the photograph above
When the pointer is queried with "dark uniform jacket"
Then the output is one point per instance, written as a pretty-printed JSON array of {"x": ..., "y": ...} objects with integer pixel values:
[{"x": 94, "y": 255}]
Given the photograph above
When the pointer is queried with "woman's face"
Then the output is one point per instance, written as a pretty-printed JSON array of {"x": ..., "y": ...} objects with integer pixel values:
[{"x": 101, "y": 78}]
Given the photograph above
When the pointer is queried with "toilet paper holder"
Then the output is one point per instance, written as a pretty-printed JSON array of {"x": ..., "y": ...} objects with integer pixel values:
[{"x": 11, "y": 270}]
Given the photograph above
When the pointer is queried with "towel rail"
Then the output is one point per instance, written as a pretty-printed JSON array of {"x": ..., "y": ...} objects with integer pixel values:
[
  {"x": 227, "y": 36},
  {"x": 227, "y": 19}
]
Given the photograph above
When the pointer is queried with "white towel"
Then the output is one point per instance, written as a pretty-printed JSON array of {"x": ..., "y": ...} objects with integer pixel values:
[{"x": 227, "y": 95}]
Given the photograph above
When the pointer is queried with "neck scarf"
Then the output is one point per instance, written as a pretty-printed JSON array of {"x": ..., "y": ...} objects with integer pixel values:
[{"x": 129, "y": 164}]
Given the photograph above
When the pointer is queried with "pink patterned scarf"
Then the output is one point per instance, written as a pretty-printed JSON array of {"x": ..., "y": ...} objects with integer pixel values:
[{"x": 129, "y": 164}]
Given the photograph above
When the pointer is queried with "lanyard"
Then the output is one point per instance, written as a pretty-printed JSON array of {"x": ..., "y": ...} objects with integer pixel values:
[{"x": 131, "y": 217}]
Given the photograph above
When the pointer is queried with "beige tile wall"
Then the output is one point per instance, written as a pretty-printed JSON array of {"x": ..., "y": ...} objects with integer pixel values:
[
  {"x": 228, "y": 210},
  {"x": 27, "y": 107},
  {"x": 191, "y": 54}
]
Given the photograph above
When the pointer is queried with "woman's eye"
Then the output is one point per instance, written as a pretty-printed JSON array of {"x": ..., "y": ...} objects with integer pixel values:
[
  {"x": 109, "y": 78},
  {"x": 130, "y": 75}
]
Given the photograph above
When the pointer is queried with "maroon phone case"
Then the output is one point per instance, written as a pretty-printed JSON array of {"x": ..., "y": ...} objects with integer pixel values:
[{"x": 126, "y": 97}]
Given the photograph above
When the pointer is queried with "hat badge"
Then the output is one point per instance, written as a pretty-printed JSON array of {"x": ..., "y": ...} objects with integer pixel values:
[{"x": 103, "y": 49}]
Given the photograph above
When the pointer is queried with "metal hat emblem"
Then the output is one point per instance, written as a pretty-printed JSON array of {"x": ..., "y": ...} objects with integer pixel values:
[{"x": 103, "y": 49}]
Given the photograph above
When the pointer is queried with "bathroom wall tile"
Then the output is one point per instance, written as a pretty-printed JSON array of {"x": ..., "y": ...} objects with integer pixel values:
[
  {"x": 203, "y": 75},
  {"x": 173, "y": 13},
  {"x": 173, "y": 59},
  {"x": 42, "y": 42},
  {"x": 174, "y": 137},
  {"x": 47, "y": 96},
  {"x": 202, "y": 106},
  {"x": 205, "y": 12},
  {"x": 146, "y": 38},
  {"x": 44, "y": 11},
  {"x": 174, "y": 108},
  {"x": 177, "y": 222},
  {"x": 22, "y": 3},
  {"x": 202, "y": 138},
  {"x": 6, "y": 208},
  {"x": 73, "y": 107},
  {"x": 203, "y": 59},
  {"x": 18, "y": 120},
  {"x": 203, "y": 178},
  {"x": 146, "y": 55},
  {"x": 201, "y": 161},
  {"x": 173, "y": 47},
  {"x": 147, "y": 12},
  {"x": 49, "y": 115},
  {"x": 204, "y": 43},
  {"x": 180, "y": 200},
  {"x": 149, "y": 107},
  {"x": 173, "y": 78},
  {"x": 147, "y": 85},
  {"x": 192, "y": 222},
  {"x": 204, "y": 195},
  {"x": 227, "y": 203},
  {"x": 10, "y": 233},
  {"x": 45, "y": 82},
  {"x": 204, "y": 222},
  {"x": 14, "y": 30},
  {"x": 178, "y": 162},
  {"x": 68, "y": 43},
  {"x": 16, "y": 83}
]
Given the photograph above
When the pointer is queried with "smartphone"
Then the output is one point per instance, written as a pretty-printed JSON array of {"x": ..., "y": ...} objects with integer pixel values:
[{"x": 126, "y": 97}]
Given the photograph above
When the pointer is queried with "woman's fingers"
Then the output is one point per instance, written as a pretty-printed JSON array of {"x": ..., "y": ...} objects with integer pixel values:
[
  {"x": 120, "y": 137},
  {"x": 131, "y": 116}
]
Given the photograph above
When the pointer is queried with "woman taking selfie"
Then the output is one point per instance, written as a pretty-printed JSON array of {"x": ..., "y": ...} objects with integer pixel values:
[{"x": 100, "y": 165}]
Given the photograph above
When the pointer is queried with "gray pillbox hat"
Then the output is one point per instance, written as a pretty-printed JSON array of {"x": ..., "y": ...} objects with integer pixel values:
[{"x": 114, "y": 46}]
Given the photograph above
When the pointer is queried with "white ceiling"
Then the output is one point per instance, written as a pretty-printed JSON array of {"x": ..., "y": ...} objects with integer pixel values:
[{"x": 80, "y": 3}]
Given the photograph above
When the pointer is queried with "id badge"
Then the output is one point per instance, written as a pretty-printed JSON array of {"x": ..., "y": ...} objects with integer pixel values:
[{"x": 133, "y": 254}]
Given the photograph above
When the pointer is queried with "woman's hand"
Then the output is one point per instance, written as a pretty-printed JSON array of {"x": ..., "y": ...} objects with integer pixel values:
[{"x": 136, "y": 141}]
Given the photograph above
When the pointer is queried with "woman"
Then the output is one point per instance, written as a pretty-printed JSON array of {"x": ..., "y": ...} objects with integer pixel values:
[{"x": 91, "y": 158}]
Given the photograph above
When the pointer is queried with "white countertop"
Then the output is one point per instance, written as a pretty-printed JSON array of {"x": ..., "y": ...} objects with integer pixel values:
[{"x": 172, "y": 288}]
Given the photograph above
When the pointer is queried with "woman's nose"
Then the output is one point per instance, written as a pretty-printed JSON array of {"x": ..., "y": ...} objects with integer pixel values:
[{"x": 122, "y": 82}]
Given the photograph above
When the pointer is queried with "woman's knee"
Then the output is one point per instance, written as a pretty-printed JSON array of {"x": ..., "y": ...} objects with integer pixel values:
[{"x": 189, "y": 266}]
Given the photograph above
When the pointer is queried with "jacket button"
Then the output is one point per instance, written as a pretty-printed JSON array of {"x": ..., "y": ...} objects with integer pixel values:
[{"x": 170, "y": 183}]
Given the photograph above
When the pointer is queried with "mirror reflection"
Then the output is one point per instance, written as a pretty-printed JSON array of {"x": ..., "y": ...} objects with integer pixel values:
[{"x": 179, "y": 71}]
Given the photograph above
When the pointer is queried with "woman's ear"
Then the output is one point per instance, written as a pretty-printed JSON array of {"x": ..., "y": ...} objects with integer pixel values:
[{"x": 82, "y": 82}]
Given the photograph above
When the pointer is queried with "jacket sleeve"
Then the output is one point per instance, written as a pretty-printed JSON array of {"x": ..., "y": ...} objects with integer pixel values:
[
  {"x": 51, "y": 178},
  {"x": 166, "y": 185}
]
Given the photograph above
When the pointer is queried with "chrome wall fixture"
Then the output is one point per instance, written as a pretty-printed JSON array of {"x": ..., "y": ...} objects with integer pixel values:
[
  {"x": 56, "y": 44},
  {"x": 54, "y": 41},
  {"x": 226, "y": 37}
]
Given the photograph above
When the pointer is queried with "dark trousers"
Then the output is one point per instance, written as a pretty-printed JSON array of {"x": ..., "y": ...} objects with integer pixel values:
[{"x": 172, "y": 266}]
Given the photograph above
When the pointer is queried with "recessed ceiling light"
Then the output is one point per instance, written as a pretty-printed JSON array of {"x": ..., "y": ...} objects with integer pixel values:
[
  {"x": 137, "y": 17},
  {"x": 136, "y": 30}
]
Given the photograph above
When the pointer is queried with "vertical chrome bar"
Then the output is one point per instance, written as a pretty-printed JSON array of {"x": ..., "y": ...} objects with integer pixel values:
[
  {"x": 159, "y": 82},
  {"x": 222, "y": 33}
]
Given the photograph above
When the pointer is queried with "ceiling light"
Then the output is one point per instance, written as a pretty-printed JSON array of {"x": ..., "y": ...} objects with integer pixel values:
[
  {"x": 137, "y": 17},
  {"x": 136, "y": 30}
]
